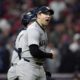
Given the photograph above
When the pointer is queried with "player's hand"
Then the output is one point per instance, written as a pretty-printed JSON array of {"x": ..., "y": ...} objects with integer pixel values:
[{"x": 54, "y": 52}]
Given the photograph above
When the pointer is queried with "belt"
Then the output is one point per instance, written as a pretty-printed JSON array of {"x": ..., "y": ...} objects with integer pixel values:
[
  {"x": 13, "y": 64},
  {"x": 26, "y": 60},
  {"x": 35, "y": 62}
]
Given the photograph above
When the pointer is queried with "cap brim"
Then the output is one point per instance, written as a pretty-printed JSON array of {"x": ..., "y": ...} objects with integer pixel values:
[
  {"x": 44, "y": 10},
  {"x": 51, "y": 11}
]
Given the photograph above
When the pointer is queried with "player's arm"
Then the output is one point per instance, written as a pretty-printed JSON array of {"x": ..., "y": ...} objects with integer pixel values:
[
  {"x": 33, "y": 43},
  {"x": 37, "y": 53}
]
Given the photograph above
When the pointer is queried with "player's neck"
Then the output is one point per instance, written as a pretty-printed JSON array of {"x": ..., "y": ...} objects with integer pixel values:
[{"x": 39, "y": 22}]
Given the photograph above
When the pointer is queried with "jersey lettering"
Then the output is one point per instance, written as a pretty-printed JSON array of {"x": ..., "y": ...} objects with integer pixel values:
[{"x": 42, "y": 43}]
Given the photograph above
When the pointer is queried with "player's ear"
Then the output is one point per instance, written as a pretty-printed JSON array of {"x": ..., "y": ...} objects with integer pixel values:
[{"x": 38, "y": 15}]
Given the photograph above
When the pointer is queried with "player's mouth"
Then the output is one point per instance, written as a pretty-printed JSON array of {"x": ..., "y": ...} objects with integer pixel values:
[{"x": 47, "y": 20}]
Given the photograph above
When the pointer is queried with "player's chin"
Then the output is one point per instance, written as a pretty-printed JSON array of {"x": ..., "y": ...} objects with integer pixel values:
[{"x": 46, "y": 23}]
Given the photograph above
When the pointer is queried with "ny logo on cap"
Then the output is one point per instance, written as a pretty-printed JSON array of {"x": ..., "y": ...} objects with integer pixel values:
[
  {"x": 29, "y": 14},
  {"x": 47, "y": 7}
]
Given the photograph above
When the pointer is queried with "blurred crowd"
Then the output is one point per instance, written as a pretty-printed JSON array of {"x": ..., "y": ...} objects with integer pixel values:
[{"x": 64, "y": 32}]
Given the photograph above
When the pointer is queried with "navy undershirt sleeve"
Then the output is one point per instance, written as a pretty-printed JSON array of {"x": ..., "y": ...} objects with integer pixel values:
[{"x": 37, "y": 53}]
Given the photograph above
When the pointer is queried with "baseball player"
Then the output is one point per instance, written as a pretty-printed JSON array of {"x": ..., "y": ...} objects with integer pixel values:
[
  {"x": 30, "y": 67},
  {"x": 26, "y": 19}
]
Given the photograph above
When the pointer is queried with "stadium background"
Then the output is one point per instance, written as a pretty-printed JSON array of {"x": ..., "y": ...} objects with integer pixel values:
[{"x": 64, "y": 34}]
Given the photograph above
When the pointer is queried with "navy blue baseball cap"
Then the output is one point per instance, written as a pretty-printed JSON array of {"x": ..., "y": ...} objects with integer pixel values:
[
  {"x": 28, "y": 17},
  {"x": 45, "y": 9}
]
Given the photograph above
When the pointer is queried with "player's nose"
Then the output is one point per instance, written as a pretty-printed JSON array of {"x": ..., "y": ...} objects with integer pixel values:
[{"x": 48, "y": 16}]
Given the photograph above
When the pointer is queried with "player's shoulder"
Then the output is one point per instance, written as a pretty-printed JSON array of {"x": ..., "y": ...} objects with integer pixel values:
[
  {"x": 32, "y": 26},
  {"x": 21, "y": 32}
]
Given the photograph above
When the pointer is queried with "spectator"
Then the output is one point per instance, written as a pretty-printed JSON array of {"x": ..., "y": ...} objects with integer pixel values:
[
  {"x": 69, "y": 24},
  {"x": 58, "y": 6},
  {"x": 59, "y": 29},
  {"x": 75, "y": 49},
  {"x": 67, "y": 57},
  {"x": 4, "y": 57}
]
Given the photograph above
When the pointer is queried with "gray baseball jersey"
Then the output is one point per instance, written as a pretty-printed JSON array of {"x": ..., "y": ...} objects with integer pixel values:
[
  {"x": 18, "y": 44},
  {"x": 34, "y": 35},
  {"x": 12, "y": 75}
]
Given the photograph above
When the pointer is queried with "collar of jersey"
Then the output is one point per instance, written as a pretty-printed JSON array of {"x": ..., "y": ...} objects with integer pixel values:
[{"x": 40, "y": 26}]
